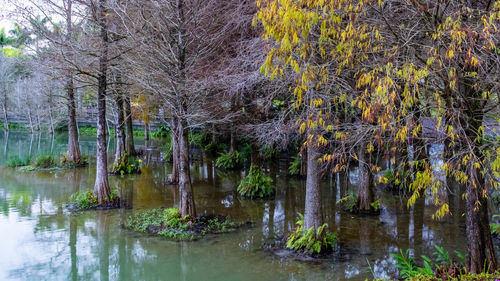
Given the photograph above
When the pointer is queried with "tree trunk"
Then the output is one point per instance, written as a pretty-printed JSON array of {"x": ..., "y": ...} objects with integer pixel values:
[
  {"x": 255, "y": 158},
  {"x": 366, "y": 193},
  {"x": 231, "y": 142},
  {"x": 73, "y": 155},
  {"x": 146, "y": 131},
  {"x": 481, "y": 253},
  {"x": 4, "y": 108},
  {"x": 174, "y": 178},
  {"x": 313, "y": 215},
  {"x": 186, "y": 205},
  {"x": 119, "y": 130},
  {"x": 51, "y": 118},
  {"x": 101, "y": 187},
  {"x": 130, "y": 129}
]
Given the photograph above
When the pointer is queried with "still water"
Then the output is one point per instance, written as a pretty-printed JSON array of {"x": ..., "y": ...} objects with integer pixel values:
[{"x": 41, "y": 240}]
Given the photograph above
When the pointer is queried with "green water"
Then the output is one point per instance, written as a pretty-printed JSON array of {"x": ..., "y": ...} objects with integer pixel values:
[{"x": 41, "y": 240}]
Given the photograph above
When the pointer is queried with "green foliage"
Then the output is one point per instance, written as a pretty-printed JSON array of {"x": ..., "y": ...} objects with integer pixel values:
[
  {"x": 16, "y": 161},
  {"x": 495, "y": 227},
  {"x": 169, "y": 223},
  {"x": 461, "y": 277},
  {"x": 295, "y": 165},
  {"x": 162, "y": 132},
  {"x": 310, "y": 241},
  {"x": 92, "y": 131},
  {"x": 442, "y": 264},
  {"x": 126, "y": 166},
  {"x": 406, "y": 264},
  {"x": 269, "y": 153},
  {"x": 45, "y": 161},
  {"x": 85, "y": 199},
  {"x": 255, "y": 185},
  {"x": 229, "y": 160},
  {"x": 348, "y": 202},
  {"x": 375, "y": 205}
]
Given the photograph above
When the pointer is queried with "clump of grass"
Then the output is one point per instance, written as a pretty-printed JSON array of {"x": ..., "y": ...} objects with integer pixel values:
[
  {"x": 45, "y": 161},
  {"x": 85, "y": 199},
  {"x": 16, "y": 161},
  {"x": 170, "y": 224},
  {"x": 255, "y": 185},
  {"x": 310, "y": 241}
]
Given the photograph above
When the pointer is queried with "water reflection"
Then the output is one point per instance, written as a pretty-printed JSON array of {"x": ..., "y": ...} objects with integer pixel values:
[{"x": 40, "y": 238}]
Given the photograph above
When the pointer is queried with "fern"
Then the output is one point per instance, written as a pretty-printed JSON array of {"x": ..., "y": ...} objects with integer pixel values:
[
  {"x": 310, "y": 241},
  {"x": 255, "y": 185}
]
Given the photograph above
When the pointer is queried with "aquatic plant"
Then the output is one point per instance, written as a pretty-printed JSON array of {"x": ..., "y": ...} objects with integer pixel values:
[
  {"x": 310, "y": 241},
  {"x": 168, "y": 223},
  {"x": 16, "y": 161},
  {"x": 85, "y": 199},
  {"x": 229, "y": 160},
  {"x": 443, "y": 267},
  {"x": 45, "y": 161},
  {"x": 127, "y": 165},
  {"x": 256, "y": 185}
]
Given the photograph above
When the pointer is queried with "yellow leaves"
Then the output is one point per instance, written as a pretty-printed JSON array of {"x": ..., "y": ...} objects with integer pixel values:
[{"x": 441, "y": 212}]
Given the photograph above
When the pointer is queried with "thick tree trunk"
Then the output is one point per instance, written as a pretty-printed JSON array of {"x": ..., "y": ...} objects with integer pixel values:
[
  {"x": 481, "y": 253},
  {"x": 174, "y": 178},
  {"x": 186, "y": 204},
  {"x": 366, "y": 193},
  {"x": 73, "y": 155},
  {"x": 101, "y": 187},
  {"x": 255, "y": 158},
  {"x": 119, "y": 130},
  {"x": 313, "y": 215},
  {"x": 130, "y": 129}
]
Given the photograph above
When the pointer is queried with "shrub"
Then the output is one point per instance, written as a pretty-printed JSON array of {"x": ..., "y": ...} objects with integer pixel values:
[
  {"x": 127, "y": 165},
  {"x": 45, "y": 161},
  {"x": 229, "y": 160},
  {"x": 255, "y": 185},
  {"x": 295, "y": 165},
  {"x": 15, "y": 161},
  {"x": 269, "y": 153},
  {"x": 310, "y": 241}
]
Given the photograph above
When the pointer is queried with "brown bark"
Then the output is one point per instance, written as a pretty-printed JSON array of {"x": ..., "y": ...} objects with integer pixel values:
[
  {"x": 129, "y": 138},
  {"x": 186, "y": 204},
  {"x": 313, "y": 215},
  {"x": 119, "y": 130},
  {"x": 101, "y": 187},
  {"x": 366, "y": 193}
]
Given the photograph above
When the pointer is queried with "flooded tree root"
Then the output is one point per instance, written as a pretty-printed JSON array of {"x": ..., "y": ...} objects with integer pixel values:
[
  {"x": 85, "y": 200},
  {"x": 169, "y": 224}
]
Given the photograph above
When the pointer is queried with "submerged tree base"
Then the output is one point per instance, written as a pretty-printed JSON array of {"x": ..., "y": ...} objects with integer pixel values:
[
  {"x": 85, "y": 200},
  {"x": 169, "y": 223}
]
